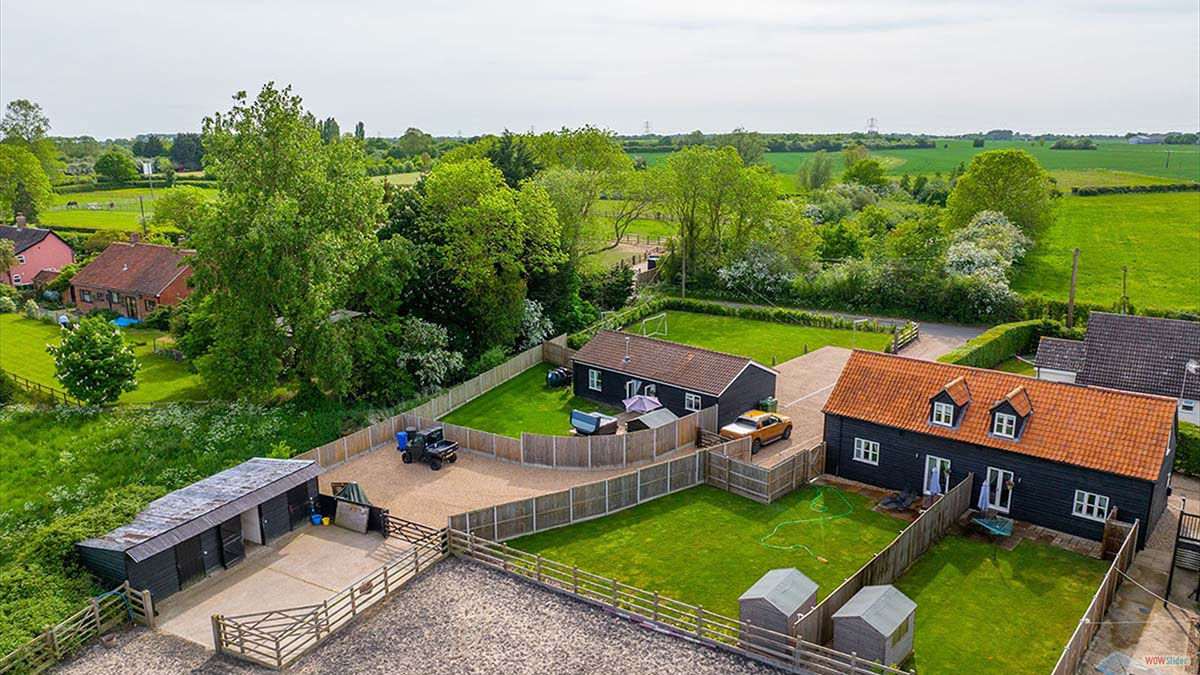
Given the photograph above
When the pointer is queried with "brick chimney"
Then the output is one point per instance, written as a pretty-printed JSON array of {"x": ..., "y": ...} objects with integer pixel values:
[
  {"x": 134, "y": 237},
  {"x": 20, "y": 219}
]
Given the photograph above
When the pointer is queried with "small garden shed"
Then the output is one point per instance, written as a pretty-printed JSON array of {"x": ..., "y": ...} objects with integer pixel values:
[
  {"x": 777, "y": 599},
  {"x": 877, "y": 624},
  {"x": 651, "y": 420}
]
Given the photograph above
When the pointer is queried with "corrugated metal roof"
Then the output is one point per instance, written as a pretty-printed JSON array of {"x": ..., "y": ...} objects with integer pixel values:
[
  {"x": 884, "y": 607},
  {"x": 188, "y": 511},
  {"x": 787, "y": 589}
]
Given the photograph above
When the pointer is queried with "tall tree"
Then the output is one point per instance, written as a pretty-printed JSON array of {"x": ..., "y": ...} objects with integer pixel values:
[
  {"x": 116, "y": 166},
  {"x": 93, "y": 363},
  {"x": 816, "y": 171},
  {"x": 360, "y": 132},
  {"x": 330, "y": 130},
  {"x": 8, "y": 257},
  {"x": 293, "y": 223},
  {"x": 413, "y": 142},
  {"x": 867, "y": 172},
  {"x": 24, "y": 185},
  {"x": 1009, "y": 181},
  {"x": 24, "y": 124},
  {"x": 188, "y": 151},
  {"x": 750, "y": 145},
  {"x": 515, "y": 159}
]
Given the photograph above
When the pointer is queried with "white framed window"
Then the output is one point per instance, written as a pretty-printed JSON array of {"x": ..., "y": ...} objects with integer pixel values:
[
  {"x": 631, "y": 388},
  {"x": 866, "y": 451},
  {"x": 691, "y": 402},
  {"x": 86, "y": 295},
  {"x": 16, "y": 278},
  {"x": 20, "y": 260},
  {"x": 594, "y": 379},
  {"x": 943, "y": 414},
  {"x": 1090, "y": 505},
  {"x": 1004, "y": 425},
  {"x": 150, "y": 305},
  {"x": 999, "y": 490},
  {"x": 1187, "y": 405},
  {"x": 939, "y": 467},
  {"x": 650, "y": 390}
]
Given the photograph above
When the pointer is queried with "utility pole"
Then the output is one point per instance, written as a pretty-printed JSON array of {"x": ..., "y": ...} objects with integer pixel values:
[
  {"x": 142, "y": 206},
  {"x": 683, "y": 276},
  {"x": 1071, "y": 297}
]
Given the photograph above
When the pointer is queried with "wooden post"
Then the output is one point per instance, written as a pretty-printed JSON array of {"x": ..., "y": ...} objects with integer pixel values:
[
  {"x": 614, "y": 593},
  {"x": 699, "y": 620},
  {"x": 148, "y": 607},
  {"x": 96, "y": 614},
  {"x": 655, "y": 606},
  {"x": 51, "y": 640},
  {"x": 1071, "y": 296},
  {"x": 539, "y": 567},
  {"x": 218, "y": 642},
  {"x": 575, "y": 579},
  {"x": 853, "y": 661}
]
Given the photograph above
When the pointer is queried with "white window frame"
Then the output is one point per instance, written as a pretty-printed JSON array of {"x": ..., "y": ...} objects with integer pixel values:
[
  {"x": 16, "y": 278},
  {"x": 1187, "y": 405},
  {"x": 1000, "y": 422},
  {"x": 692, "y": 402},
  {"x": 650, "y": 390},
  {"x": 866, "y": 451},
  {"x": 631, "y": 388},
  {"x": 997, "y": 484},
  {"x": 947, "y": 409},
  {"x": 930, "y": 462},
  {"x": 20, "y": 260},
  {"x": 1081, "y": 507},
  {"x": 85, "y": 295},
  {"x": 594, "y": 381}
]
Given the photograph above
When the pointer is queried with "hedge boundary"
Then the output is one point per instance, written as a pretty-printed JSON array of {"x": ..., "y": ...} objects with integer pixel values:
[
  {"x": 794, "y": 317},
  {"x": 1133, "y": 189},
  {"x": 1001, "y": 342},
  {"x": 1187, "y": 449}
]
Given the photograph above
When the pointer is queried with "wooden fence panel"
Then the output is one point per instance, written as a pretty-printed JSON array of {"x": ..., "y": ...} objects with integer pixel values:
[
  {"x": 622, "y": 491},
  {"x": 707, "y": 419},
  {"x": 653, "y": 481},
  {"x": 664, "y": 438},
  {"x": 608, "y": 451},
  {"x": 514, "y": 519},
  {"x": 681, "y": 473},
  {"x": 537, "y": 449},
  {"x": 686, "y": 430},
  {"x": 639, "y": 447},
  {"x": 460, "y": 435},
  {"x": 508, "y": 448},
  {"x": 571, "y": 451},
  {"x": 482, "y": 522},
  {"x": 588, "y": 501},
  {"x": 552, "y": 510},
  {"x": 482, "y": 441}
]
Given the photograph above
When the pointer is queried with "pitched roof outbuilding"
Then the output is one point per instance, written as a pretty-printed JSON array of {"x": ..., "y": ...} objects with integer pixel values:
[
  {"x": 883, "y": 607},
  {"x": 685, "y": 366},
  {"x": 24, "y": 237},
  {"x": 1141, "y": 353},
  {"x": 1119, "y": 432},
  {"x": 141, "y": 269},
  {"x": 1060, "y": 354}
]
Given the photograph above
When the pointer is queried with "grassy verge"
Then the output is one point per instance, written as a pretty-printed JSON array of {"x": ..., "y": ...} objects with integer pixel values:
[
  {"x": 1010, "y": 615},
  {"x": 1017, "y": 366},
  {"x": 23, "y": 351},
  {"x": 764, "y": 341},
  {"x": 704, "y": 546},
  {"x": 524, "y": 403}
]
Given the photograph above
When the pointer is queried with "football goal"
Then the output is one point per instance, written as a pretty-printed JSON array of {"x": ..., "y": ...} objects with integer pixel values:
[{"x": 654, "y": 325}]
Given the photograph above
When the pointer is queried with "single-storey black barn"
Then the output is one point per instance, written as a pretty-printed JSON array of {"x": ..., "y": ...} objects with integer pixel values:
[
  {"x": 615, "y": 366},
  {"x": 182, "y": 537},
  {"x": 1058, "y": 455}
]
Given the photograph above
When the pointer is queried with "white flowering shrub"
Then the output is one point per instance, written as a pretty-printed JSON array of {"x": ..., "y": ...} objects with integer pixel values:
[{"x": 761, "y": 271}]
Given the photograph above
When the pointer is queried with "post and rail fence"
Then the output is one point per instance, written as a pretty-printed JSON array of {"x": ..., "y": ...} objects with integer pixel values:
[
  {"x": 102, "y": 614},
  {"x": 38, "y": 389},
  {"x": 730, "y": 469}
]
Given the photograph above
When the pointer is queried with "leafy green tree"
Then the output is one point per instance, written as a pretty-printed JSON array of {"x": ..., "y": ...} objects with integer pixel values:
[
  {"x": 694, "y": 138},
  {"x": 116, "y": 166},
  {"x": 515, "y": 159},
  {"x": 852, "y": 154},
  {"x": 413, "y": 142},
  {"x": 183, "y": 207},
  {"x": 869, "y": 172},
  {"x": 1009, "y": 181},
  {"x": 360, "y": 132},
  {"x": 188, "y": 151},
  {"x": 93, "y": 363},
  {"x": 152, "y": 146},
  {"x": 25, "y": 125},
  {"x": 839, "y": 241},
  {"x": 330, "y": 130},
  {"x": 815, "y": 172},
  {"x": 293, "y": 223},
  {"x": 8, "y": 257},
  {"x": 750, "y": 145},
  {"x": 24, "y": 185}
]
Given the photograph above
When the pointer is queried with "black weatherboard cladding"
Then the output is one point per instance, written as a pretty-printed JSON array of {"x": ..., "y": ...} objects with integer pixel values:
[
  {"x": 1044, "y": 492},
  {"x": 210, "y": 543},
  {"x": 189, "y": 560},
  {"x": 233, "y": 549},
  {"x": 274, "y": 516},
  {"x": 106, "y": 564},
  {"x": 156, "y": 574},
  {"x": 752, "y": 386}
]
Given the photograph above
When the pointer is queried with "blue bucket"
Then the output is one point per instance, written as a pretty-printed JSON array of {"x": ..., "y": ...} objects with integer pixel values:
[{"x": 316, "y": 519}]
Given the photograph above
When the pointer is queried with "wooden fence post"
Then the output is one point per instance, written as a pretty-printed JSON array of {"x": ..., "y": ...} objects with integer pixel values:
[
  {"x": 148, "y": 606},
  {"x": 655, "y": 606},
  {"x": 218, "y": 641},
  {"x": 51, "y": 640},
  {"x": 699, "y": 620},
  {"x": 575, "y": 579},
  {"x": 96, "y": 614},
  {"x": 614, "y": 593}
]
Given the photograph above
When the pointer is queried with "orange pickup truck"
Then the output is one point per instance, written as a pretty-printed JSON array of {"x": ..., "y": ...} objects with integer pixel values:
[{"x": 763, "y": 427}]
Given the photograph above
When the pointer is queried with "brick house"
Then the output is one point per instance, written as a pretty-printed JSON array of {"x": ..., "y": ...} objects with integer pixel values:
[
  {"x": 36, "y": 250},
  {"x": 133, "y": 278}
]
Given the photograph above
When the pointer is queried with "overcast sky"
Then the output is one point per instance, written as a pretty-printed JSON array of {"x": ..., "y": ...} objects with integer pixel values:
[{"x": 111, "y": 69}]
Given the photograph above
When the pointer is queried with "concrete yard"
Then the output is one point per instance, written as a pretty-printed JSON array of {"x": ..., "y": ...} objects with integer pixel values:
[{"x": 458, "y": 617}]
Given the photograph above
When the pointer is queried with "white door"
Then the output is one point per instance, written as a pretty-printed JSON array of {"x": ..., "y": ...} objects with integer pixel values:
[
  {"x": 252, "y": 526},
  {"x": 943, "y": 468},
  {"x": 631, "y": 388},
  {"x": 999, "y": 494}
]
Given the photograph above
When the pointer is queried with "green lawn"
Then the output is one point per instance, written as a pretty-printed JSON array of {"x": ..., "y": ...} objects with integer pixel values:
[
  {"x": 1015, "y": 365},
  {"x": 1069, "y": 178},
  {"x": 400, "y": 178},
  {"x": 125, "y": 214},
  {"x": 525, "y": 403},
  {"x": 764, "y": 341},
  {"x": 1009, "y": 616},
  {"x": 1156, "y": 235},
  {"x": 704, "y": 546},
  {"x": 23, "y": 351}
]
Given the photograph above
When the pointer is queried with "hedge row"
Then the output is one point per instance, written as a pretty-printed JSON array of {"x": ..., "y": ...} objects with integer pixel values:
[
  {"x": 793, "y": 317},
  {"x": 1001, "y": 342},
  {"x": 1127, "y": 189},
  {"x": 1187, "y": 449}
]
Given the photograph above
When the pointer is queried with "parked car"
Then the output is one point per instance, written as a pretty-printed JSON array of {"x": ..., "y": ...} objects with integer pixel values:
[
  {"x": 763, "y": 427},
  {"x": 429, "y": 445}
]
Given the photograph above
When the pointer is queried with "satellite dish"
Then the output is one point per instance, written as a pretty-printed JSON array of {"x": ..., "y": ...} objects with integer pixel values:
[{"x": 1193, "y": 366}]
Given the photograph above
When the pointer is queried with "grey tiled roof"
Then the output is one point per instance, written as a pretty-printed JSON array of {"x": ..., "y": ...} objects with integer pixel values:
[
  {"x": 684, "y": 366},
  {"x": 1060, "y": 354},
  {"x": 1140, "y": 353}
]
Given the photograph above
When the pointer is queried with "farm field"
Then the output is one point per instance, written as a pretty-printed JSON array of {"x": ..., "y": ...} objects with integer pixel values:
[
  {"x": 399, "y": 178},
  {"x": 1183, "y": 164},
  {"x": 1072, "y": 178},
  {"x": 1156, "y": 235},
  {"x": 1009, "y": 616},
  {"x": 767, "y": 342},
  {"x": 125, "y": 214},
  {"x": 705, "y": 546},
  {"x": 525, "y": 403},
  {"x": 23, "y": 351}
]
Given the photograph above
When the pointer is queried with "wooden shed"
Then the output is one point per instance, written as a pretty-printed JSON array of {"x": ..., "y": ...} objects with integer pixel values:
[
  {"x": 877, "y": 624},
  {"x": 186, "y": 535},
  {"x": 777, "y": 599},
  {"x": 651, "y": 420}
]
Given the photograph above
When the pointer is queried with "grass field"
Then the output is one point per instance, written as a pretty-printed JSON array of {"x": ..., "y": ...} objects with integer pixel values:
[
  {"x": 23, "y": 351},
  {"x": 399, "y": 178},
  {"x": 1017, "y": 366},
  {"x": 1009, "y": 616},
  {"x": 704, "y": 546},
  {"x": 1156, "y": 235},
  {"x": 525, "y": 403},
  {"x": 1072, "y": 178},
  {"x": 125, "y": 214},
  {"x": 764, "y": 341},
  {"x": 1183, "y": 163}
]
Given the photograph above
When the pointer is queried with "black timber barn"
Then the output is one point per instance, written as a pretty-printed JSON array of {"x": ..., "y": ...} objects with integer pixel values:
[
  {"x": 1053, "y": 454},
  {"x": 186, "y": 535},
  {"x": 614, "y": 366}
]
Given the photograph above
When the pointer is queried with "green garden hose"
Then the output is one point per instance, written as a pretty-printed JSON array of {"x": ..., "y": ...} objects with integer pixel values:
[{"x": 818, "y": 505}]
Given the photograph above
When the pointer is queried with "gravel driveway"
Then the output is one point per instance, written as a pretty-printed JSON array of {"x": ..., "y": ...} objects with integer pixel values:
[{"x": 457, "y": 618}]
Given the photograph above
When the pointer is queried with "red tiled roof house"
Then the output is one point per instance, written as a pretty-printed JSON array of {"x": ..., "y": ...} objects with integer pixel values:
[
  {"x": 1059, "y": 455},
  {"x": 132, "y": 279},
  {"x": 36, "y": 250}
]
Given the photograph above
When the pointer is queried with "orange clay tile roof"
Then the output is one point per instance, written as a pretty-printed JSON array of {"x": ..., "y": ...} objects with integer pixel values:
[
  {"x": 958, "y": 390},
  {"x": 1019, "y": 399},
  {"x": 1119, "y": 432}
]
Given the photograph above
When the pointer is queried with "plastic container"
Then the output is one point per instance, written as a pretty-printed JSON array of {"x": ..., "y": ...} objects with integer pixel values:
[
  {"x": 651, "y": 262},
  {"x": 401, "y": 440},
  {"x": 316, "y": 519},
  {"x": 325, "y": 520}
]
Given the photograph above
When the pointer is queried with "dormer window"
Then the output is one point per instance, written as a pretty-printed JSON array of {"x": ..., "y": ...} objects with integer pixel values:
[
  {"x": 1004, "y": 425},
  {"x": 943, "y": 414}
]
